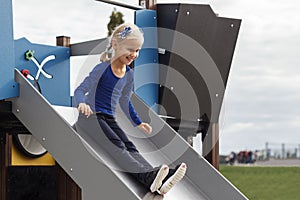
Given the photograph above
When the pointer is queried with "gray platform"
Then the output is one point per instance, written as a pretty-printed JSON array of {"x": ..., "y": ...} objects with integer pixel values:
[{"x": 88, "y": 165}]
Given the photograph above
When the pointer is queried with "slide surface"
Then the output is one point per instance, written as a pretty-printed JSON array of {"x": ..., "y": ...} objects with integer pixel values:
[{"x": 88, "y": 165}]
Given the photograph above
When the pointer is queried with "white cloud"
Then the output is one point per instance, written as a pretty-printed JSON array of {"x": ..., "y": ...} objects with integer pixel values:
[
  {"x": 263, "y": 88},
  {"x": 82, "y": 20}
]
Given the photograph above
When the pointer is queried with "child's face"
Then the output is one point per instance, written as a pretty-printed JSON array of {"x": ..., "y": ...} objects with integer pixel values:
[{"x": 127, "y": 51}]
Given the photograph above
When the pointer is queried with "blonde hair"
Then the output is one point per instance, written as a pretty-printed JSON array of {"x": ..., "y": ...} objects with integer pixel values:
[{"x": 122, "y": 32}]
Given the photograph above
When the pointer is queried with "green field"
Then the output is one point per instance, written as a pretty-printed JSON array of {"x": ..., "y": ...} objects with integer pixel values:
[{"x": 264, "y": 183}]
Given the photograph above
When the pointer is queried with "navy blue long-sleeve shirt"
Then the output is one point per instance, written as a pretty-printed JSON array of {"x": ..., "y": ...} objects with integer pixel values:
[{"x": 102, "y": 91}]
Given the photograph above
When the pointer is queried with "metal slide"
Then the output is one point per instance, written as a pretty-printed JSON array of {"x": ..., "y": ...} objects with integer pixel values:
[{"x": 86, "y": 164}]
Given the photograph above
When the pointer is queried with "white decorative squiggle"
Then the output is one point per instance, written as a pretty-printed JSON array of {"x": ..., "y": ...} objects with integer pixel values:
[{"x": 40, "y": 66}]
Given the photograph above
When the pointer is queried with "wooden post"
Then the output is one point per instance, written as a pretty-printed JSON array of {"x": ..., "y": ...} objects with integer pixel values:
[
  {"x": 210, "y": 147},
  {"x": 67, "y": 189},
  {"x": 5, "y": 160},
  {"x": 150, "y": 4},
  {"x": 3, "y": 166},
  {"x": 63, "y": 41}
]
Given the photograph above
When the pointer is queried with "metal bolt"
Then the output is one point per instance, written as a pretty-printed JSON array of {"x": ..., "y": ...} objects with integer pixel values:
[
  {"x": 154, "y": 18},
  {"x": 43, "y": 139},
  {"x": 231, "y": 25},
  {"x": 176, "y": 10},
  {"x": 172, "y": 88},
  {"x": 17, "y": 110},
  {"x": 217, "y": 95},
  {"x": 143, "y": 4},
  {"x": 188, "y": 13},
  {"x": 161, "y": 51},
  {"x": 71, "y": 169}
]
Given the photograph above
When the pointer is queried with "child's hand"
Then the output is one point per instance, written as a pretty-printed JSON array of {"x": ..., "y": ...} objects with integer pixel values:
[
  {"x": 85, "y": 109},
  {"x": 145, "y": 127}
]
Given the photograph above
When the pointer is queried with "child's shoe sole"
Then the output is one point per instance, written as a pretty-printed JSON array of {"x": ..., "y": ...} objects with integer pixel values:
[
  {"x": 175, "y": 178},
  {"x": 160, "y": 176}
]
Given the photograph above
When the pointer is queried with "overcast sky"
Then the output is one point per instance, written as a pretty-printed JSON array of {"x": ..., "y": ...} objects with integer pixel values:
[{"x": 263, "y": 93}]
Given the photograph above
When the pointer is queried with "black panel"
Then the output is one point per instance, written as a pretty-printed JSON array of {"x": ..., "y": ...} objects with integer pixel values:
[
  {"x": 8, "y": 121},
  {"x": 199, "y": 24},
  {"x": 31, "y": 183},
  {"x": 166, "y": 18},
  {"x": 224, "y": 42},
  {"x": 167, "y": 15},
  {"x": 215, "y": 34},
  {"x": 172, "y": 108},
  {"x": 196, "y": 81}
]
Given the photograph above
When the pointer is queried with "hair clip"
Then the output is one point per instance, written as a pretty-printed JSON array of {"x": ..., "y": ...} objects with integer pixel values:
[{"x": 125, "y": 32}]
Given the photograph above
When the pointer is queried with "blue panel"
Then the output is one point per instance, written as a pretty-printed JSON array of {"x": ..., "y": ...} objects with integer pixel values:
[
  {"x": 8, "y": 88},
  {"x": 146, "y": 66},
  {"x": 56, "y": 64}
]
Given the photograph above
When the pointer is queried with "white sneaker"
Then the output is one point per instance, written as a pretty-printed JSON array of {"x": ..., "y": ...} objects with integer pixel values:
[
  {"x": 175, "y": 178},
  {"x": 160, "y": 176},
  {"x": 152, "y": 196}
]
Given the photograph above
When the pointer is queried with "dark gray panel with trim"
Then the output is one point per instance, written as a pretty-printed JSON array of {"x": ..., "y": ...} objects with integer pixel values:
[{"x": 201, "y": 53}]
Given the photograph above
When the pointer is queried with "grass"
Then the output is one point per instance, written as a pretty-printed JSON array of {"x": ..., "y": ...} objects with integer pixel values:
[{"x": 264, "y": 183}]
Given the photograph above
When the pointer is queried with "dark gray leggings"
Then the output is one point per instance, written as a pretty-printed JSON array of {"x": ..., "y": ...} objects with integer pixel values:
[{"x": 105, "y": 134}]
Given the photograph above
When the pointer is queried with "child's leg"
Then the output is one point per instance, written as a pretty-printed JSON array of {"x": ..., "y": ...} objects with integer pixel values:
[
  {"x": 138, "y": 157},
  {"x": 120, "y": 133},
  {"x": 109, "y": 142},
  {"x": 128, "y": 144},
  {"x": 148, "y": 176}
]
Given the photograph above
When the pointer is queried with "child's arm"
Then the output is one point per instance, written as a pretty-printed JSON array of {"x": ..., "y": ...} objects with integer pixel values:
[
  {"x": 85, "y": 87},
  {"x": 145, "y": 127},
  {"x": 129, "y": 110},
  {"x": 85, "y": 90},
  {"x": 85, "y": 109},
  {"x": 127, "y": 106},
  {"x": 133, "y": 116}
]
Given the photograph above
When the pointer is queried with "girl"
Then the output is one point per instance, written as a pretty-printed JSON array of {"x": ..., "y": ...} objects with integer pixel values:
[{"x": 108, "y": 84}]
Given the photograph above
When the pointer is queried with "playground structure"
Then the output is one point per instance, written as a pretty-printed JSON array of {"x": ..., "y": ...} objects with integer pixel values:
[{"x": 79, "y": 164}]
